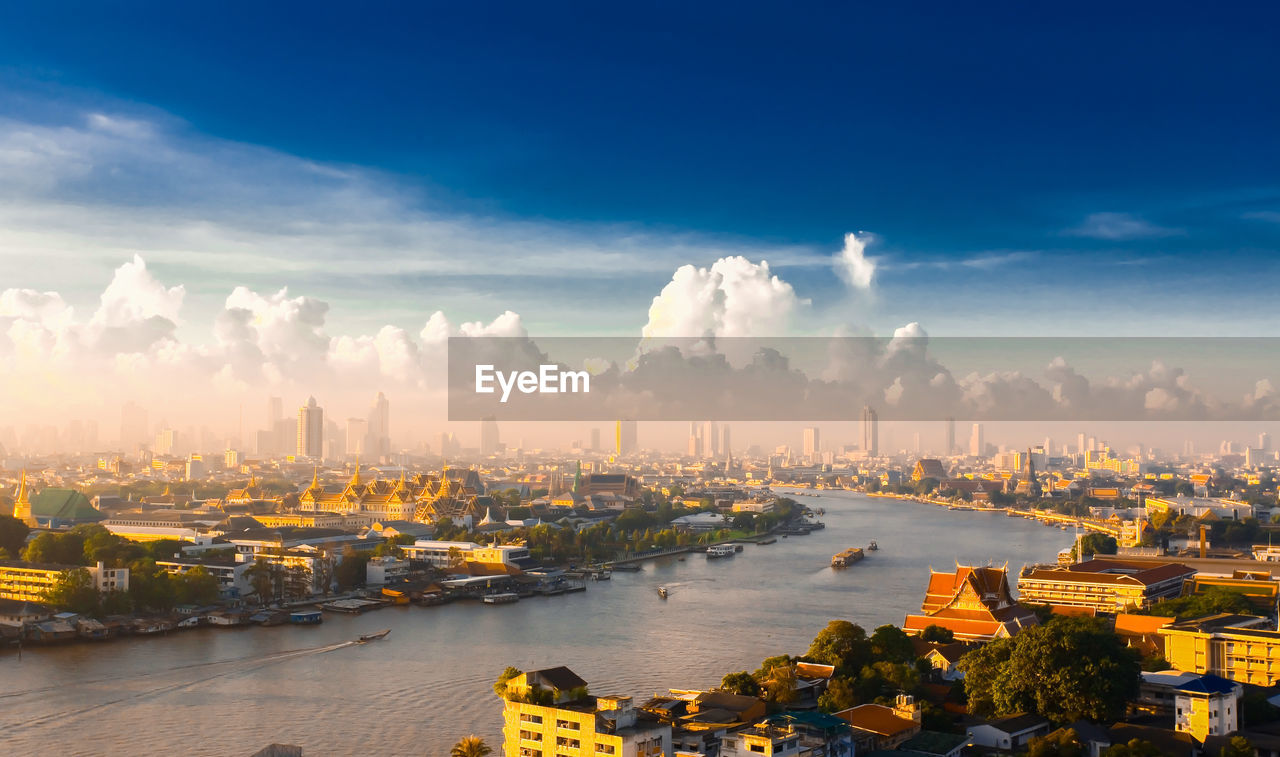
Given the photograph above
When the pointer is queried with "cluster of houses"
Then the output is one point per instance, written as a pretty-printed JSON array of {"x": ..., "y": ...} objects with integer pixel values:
[{"x": 1192, "y": 708}]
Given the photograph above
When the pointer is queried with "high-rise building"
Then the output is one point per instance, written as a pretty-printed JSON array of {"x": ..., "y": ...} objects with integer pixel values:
[
  {"x": 275, "y": 411},
  {"x": 310, "y": 430},
  {"x": 870, "y": 431},
  {"x": 1080, "y": 449},
  {"x": 358, "y": 436},
  {"x": 166, "y": 442},
  {"x": 695, "y": 440},
  {"x": 1264, "y": 441},
  {"x": 595, "y": 440},
  {"x": 379, "y": 429},
  {"x": 133, "y": 426},
  {"x": 812, "y": 441},
  {"x": 726, "y": 445},
  {"x": 977, "y": 441},
  {"x": 951, "y": 437},
  {"x": 710, "y": 439},
  {"x": 489, "y": 442},
  {"x": 625, "y": 438}
]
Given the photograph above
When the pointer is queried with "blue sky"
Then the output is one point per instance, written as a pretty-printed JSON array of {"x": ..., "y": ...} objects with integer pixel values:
[{"x": 1081, "y": 169}]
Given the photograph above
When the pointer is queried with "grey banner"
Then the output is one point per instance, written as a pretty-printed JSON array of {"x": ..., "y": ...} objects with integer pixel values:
[{"x": 906, "y": 377}]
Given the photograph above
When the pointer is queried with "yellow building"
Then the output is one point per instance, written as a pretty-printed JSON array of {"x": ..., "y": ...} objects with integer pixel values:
[
  {"x": 1103, "y": 585},
  {"x": 1236, "y": 647},
  {"x": 548, "y": 713},
  {"x": 28, "y": 581}
]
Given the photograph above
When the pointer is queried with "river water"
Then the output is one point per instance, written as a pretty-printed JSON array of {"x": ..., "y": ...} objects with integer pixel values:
[{"x": 230, "y": 692}]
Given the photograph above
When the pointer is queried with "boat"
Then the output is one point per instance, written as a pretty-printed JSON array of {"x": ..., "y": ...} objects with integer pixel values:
[
  {"x": 716, "y": 551},
  {"x": 662, "y": 592},
  {"x": 847, "y": 557},
  {"x": 501, "y": 598},
  {"x": 627, "y": 568},
  {"x": 375, "y": 636},
  {"x": 737, "y": 548},
  {"x": 872, "y": 546},
  {"x": 770, "y": 540},
  {"x": 306, "y": 617}
]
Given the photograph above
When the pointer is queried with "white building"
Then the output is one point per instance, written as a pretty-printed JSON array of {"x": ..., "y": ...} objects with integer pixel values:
[{"x": 383, "y": 570}]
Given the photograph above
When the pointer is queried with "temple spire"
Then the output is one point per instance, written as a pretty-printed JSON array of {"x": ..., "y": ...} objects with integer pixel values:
[
  {"x": 22, "y": 503},
  {"x": 315, "y": 478},
  {"x": 355, "y": 479}
]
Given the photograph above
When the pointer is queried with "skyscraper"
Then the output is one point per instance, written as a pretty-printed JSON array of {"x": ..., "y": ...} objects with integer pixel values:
[
  {"x": 695, "y": 439},
  {"x": 870, "y": 431},
  {"x": 726, "y": 446},
  {"x": 489, "y": 443},
  {"x": 358, "y": 435},
  {"x": 625, "y": 438},
  {"x": 710, "y": 439},
  {"x": 310, "y": 429},
  {"x": 977, "y": 442},
  {"x": 951, "y": 437},
  {"x": 379, "y": 428},
  {"x": 812, "y": 441},
  {"x": 275, "y": 411},
  {"x": 133, "y": 426},
  {"x": 595, "y": 440}
]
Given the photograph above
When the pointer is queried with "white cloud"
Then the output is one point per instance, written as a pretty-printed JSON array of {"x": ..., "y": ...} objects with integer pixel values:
[
  {"x": 733, "y": 298},
  {"x": 852, "y": 264},
  {"x": 1119, "y": 227}
]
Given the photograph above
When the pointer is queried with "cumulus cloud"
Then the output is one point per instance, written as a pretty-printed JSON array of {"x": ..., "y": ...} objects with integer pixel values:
[
  {"x": 733, "y": 298},
  {"x": 1118, "y": 227},
  {"x": 852, "y": 264}
]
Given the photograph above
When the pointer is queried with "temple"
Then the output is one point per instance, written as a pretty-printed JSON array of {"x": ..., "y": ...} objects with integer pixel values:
[
  {"x": 975, "y": 604},
  {"x": 425, "y": 498}
]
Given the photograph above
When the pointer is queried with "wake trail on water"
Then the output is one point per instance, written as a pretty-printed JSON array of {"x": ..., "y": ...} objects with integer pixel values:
[
  {"x": 189, "y": 666},
  {"x": 246, "y": 664}
]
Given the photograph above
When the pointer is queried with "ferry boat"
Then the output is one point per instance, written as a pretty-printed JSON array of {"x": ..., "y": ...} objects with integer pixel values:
[
  {"x": 375, "y": 636},
  {"x": 719, "y": 550},
  {"x": 847, "y": 557},
  {"x": 501, "y": 598}
]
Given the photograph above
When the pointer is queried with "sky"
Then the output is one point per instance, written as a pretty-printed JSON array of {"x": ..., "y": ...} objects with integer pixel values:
[{"x": 364, "y": 182}]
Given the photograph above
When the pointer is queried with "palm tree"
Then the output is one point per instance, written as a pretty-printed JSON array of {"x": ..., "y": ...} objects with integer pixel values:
[{"x": 470, "y": 746}]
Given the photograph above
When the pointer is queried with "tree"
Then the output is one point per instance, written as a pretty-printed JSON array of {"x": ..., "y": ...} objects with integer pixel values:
[
  {"x": 13, "y": 534},
  {"x": 842, "y": 644},
  {"x": 1239, "y": 746},
  {"x": 351, "y": 571},
  {"x": 74, "y": 591},
  {"x": 780, "y": 684},
  {"x": 198, "y": 587},
  {"x": 937, "y": 634},
  {"x": 1134, "y": 748},
  {"x": 1065, "y": 670},
  {"x": 500, "y": 685},
  {"x": 66, "y": 548},
  {"x": 261, "y": 576},
  {"x": 1061, "y": 743},
  {"x": 740, "y": 683},
  {"x": 839, "y": 695},
  {"x": 1095, "y": 543},
  {"x": 891, "y": 644},
  {"x": 1213, "y": 601},
  {"x": 470, "y": 746}
]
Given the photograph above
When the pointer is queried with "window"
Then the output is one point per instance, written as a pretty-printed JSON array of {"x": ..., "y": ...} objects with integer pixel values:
[
  {"x": 605, "y": 749},
  {"x": 757, "y": 748},
  {"x": 535, "y": 719},
  {"x": 568, "y": 725}
]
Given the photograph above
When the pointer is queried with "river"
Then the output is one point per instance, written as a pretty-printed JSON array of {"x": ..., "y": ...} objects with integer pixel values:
[{"x": 230, "y": 692}]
